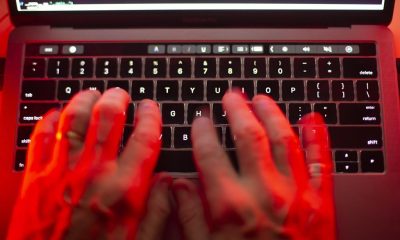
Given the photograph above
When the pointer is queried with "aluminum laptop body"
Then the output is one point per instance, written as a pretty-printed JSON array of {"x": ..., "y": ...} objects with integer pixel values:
[{"x": 367, "y": 202}]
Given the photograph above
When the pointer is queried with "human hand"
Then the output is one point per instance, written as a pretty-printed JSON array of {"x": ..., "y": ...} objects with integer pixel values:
[
  {"x": 75, "y": 186},
  {"x": 274, "y": 196}
]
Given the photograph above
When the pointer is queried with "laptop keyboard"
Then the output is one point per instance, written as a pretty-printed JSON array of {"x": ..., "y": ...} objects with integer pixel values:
[{"x": 339, "y": 81}]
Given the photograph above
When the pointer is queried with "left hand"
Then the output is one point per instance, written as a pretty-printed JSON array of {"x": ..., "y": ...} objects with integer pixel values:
[{"x": 75, "y": 185}]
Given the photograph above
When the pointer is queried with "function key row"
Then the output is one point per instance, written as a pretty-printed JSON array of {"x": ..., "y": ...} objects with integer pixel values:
[
  {"x": 96, "y": 49},
  {"x": 211, "y": 90},
  {"x": 201, "y": 67}
]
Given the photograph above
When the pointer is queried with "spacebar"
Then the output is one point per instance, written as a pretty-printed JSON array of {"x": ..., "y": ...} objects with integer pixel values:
[
  {"x": 175, "y": 161},
  {"x": 183, "y": 162}
]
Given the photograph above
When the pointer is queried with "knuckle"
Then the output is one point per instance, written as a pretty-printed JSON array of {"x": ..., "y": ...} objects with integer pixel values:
[
  {"x": 146, "y": 136},
  {"x": 251, "y": 133},
  {"x": 110, "y": 107},
  {"x": 209, "y": 151},
  {"x": 160, "y": 209},
  {"x": 285, "y": 141},
  {"x": 188, "y": 215},
  {"x": 76, "y": 111}
]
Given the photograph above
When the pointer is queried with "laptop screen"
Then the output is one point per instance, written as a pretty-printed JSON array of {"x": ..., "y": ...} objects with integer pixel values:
[{"x": 178, "y": 5}]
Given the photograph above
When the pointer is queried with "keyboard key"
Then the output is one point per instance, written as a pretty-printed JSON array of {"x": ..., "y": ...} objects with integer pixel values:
[
  {"x": 355, "y": 137},
  {"x": 24, "y": 135},
  {"x": 329, "y": 67},
  {"x": 359, "y": 114},
  {"x": 131, "y": 67},
  {"x": 219, "y": 134},
  {"x": 82, "y": 67},
  {"x": 205, "y": 67},
  {"x": 346, "y": 167},
  {"x": 192, "y": 90},
  {"x": 166, "y": 137},
  {"x": 38, "y": 90},
  {"x": 130, "y": 114},
  {"x": 142, "y": 89},
  {"x": 342, "y": 91},
  {"x": 304, "y": 67},
  {"x": 34, "y": 68},
  {"x": 156, "y": 67},
  {"x": 58, "y": 68},
  {"x": 180, "y": 67},
  {"x": 360, "y": 68},
  {"x": 268, "y": 87},
  {"x": 296, "y": 131},
  {"x": 106, "y": 67},
  {"x": 93, "y": 85},
  {"x": 33, "y": 112},
  {"x": 297, "y": 111},
  {"x": 182, "y": 137},
  {"x": 219, "y": 114},
  {"x": 173, "y": 113},
  {"x": 229, "y": 142},
  {"x": 318, "y": 90},
  {"x": 123, "y": 84},
  {"x": 175, "y": 161},
  {"x": 167, "y": 90},
  {"x": 282, "y": 106},
  {"x": 216, "y": 89},
  {"x": 346, "y": 156},
  {"x": 67, "y": 89},
  {"x": 327, "y": 111},
  {"x": 197, "y": 110},
  {"x": 367, "y": 90},
  {"x": 20, "y": 159},
  {"x": 230, "y": 68},
  {"x": 255, "y": 67},
  {"x": 48, "y": 50},
  {"x": 245, "y": 86},
  {"x": 292, "y": 90},
  {"x": 372, "y": 161},
  {"x": 280, "y": 68},
  {"x": 127, "y": 135}
]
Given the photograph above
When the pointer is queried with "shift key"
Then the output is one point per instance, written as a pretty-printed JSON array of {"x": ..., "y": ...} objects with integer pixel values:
[{"x": 355, "y": 137}]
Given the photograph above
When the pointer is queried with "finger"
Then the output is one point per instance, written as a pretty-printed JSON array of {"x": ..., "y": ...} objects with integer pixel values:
[
  {"x": 190, "y": 210},
  {"x": 284, "y": 143},
  {"x": 42, "y": 141},
  {"x": 158, "y": 210},
  {"x": 105, "y": 129},
  {"x": 211, "y": 160},
  {"x": 319, "y": 159},
  {"x": 71, "y": 132},
  {"x": 318, "y": 156},
  {"x": 138, "y": 160},
  {"x": 40, "y": 149},
  {"x": 252, "y": 146}
]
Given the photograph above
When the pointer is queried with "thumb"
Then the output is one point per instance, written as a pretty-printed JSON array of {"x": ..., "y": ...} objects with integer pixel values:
[
  {"x": 190, "y": 210},
  {"x": 158, "y": 210}
]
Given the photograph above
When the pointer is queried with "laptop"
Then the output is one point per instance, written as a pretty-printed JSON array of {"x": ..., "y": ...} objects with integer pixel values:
[{"x": 334, "y": 57}]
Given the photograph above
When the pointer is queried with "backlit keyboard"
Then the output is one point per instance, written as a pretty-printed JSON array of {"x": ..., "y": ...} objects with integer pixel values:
[{"x": 340, "y": 81}]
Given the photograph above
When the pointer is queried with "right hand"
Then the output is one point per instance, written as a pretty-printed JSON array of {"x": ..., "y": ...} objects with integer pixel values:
[{"x": 273, "y": 196}]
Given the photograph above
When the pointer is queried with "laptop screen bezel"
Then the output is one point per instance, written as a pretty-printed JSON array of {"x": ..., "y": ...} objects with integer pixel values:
[{"x": 201, "y": 18}]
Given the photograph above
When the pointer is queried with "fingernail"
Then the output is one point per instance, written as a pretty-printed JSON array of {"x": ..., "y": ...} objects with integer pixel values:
[
  {"x": 146, "y": 105},
  {"x": 181, "y": 192},
  {"x": 164, "y": 181}
]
